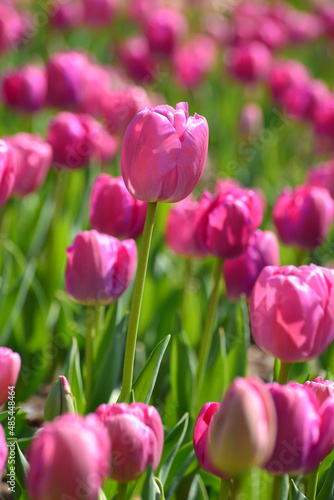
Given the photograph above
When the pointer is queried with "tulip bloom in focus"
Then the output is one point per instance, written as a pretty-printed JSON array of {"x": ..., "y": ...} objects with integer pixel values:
[{"x": 323, "y": 389}]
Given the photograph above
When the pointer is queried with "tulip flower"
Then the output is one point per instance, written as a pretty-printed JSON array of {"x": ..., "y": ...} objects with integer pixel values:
[
  {"x": 12, "y": 27},
  {"x": 305, "y": 430},
  {"x": 135, "y": 54},
  {"x": 251, "y": 120},
  {"x": 99, "y": 268},
  {"x": 33, "y": 158},
  {"x": 25, "y": 88},
  {"x": 97, "y": 82},
  {"x": 322, "y": 175},
  {"x": 99, "y": 12},
  {"x": 249, "y": 62},
  {"x": 7, "y": 171},
  {"x": 242, "y": 432},
  {"x": 323, "y": 389},
  {"x": 164, "y": 153},
  {"x": 240, "y": 274},
  {"x": 137, "y": 436},
  {"x": 303, "y": 217},
  {"x": 59, "y": 401},
  {"x": 113, "y": 210},
  {"x": 10, "y": 364},
  {"x": 3, "y": 450},
  {"x": 67, "y": 14},
  {"x": 164, "y": 27},
  {"x": 69, "y": 458},
  {"x": 291, "y": 311}
]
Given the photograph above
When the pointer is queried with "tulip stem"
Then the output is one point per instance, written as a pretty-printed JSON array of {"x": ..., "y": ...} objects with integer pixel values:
[
  {"x": 236, "y": 487},
  {"x": 224, "y": 489},
  {"x": 92, "y": 325},
  {"x": 276, "y": 493},
  {"x": 283, "y": 376},
  {"x": 137, "y": 301},
  {"x": 121, "y": 493},
  {"x": 312, "y": 482},
  {"x": 208, "y": 332}
]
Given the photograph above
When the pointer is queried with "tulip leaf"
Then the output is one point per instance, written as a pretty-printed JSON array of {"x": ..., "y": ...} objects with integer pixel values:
[
  {"x": 197, "y": 489},
  {"x": 184, "y": 459},
  {"x": 17, "y": 468},
  {"x": 295, "y": 493},
  {"x": 148, "y": 491},
  {"x": 101, "y": 495},
  {"x": 172, "y": 444},
  {"x": 327, "y": 490},
  {"x": 72, "y": 372},
  {"x": 144, "y": 384}
]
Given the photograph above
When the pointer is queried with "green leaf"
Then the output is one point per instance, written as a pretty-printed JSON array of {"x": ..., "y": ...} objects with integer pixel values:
[
  {"x": 295, "y": 493},
  {"x": 197, "y": 490},
  {"x": 184, "y": 458},
  {"x": 72, "y": 372},
  {"x": 327, "y": 490},
  {"x": 172, "y": 443},
  {"x": 17, "y": 468},
  {"x": 148, "y": 491},
  {"x": 145, "y": 382},
  {"x": 238, "y": 332}
]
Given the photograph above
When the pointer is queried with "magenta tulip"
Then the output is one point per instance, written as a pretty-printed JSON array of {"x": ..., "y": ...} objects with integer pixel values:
[
  {"x": 33, "y": 158},
  {"x": 67, "y": 14},
  {"x": 99, "y": 12},
  {"x": 12, "y": 27},
  {"x": 303, "y": 217},
  {"x": 69, "y": 458},
  {"x": 99, "y": 267},
  {"x": 136, "y": 56},
  {"x": 249, "y": 62},
  {"x": 164, "y": 27},
  {"x": 10, "y": 364},
  {"x": 97, "y": 82},
  {"x": 323, "y": 176},
  {"x": 164, "y": 152},
  {"x": 7, "y": 171},
  {"x": 3, "y": 450},
  {"x": 25, "y": 88},
  {"x": 113, "y": 210},
  {"x": 240, "y": 274},
  {"x": 291, "y": 311},
  {"x": 137, "y": 437},
  {"x": 322, "y": 389},
  {"x": 305, "y": 430}
]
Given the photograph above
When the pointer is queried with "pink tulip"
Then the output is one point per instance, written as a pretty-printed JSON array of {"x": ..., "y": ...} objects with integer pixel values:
[
  {"x": 164, "y": 27},
  {"x": 322, "y": 389},
  {"x": 113, "y": 210},
  {"x": 291, "y": 311},
  {"x": 135, "y": 54},
  {"x": 33, "y": 158},
  {"x": 240, "y": 274},
  {"x": 25, "y": 88},
  {"x": 99, "y": 12},
  {"x": 322, "y": 175},
  {"x": 164, "y": 152},
  {"x": 182, "y": 226},
  {"x": 3, "y": 450},
  {"x": 304, "y": 26},
  {"x": 200, "y": 438},
  {"x": 242, "y": 433},
  {"x": 303, "y": 217},
  {"x": 325, "y": 11},
  {"x": 249, "y": 62},
  {"x": 99, "y": 267},
  {"x": 305, "y": 430},
  {"x": 137, "y": 436},
  {"x": 97, "y": 82},
  {"x": 7, "y": 171},
  {"x": 251, "y": 119},
  {"x": 10, "y": 364},
  {"x": 12, "y": 27},
  {"x": 67, "y": 14},
  {"x": 107, "y": 146},
  {"x": 69, "y": 458},
  {"x": 120, "y": 106},
  {"x": 139, "y": 10},
  {"x": 228, "y": 223}
]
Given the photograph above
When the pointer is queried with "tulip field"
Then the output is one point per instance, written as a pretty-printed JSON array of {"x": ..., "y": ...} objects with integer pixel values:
[{"x": 166, "y": 250}]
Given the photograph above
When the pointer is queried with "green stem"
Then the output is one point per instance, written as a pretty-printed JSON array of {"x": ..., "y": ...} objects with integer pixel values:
[
  {"x": 89, "y": 349},
  {"x": 277, "y": 489},
  {"x": 208, "y": 332},
  {"x": 236, "y": 488},
  {"x": 224, "y": 489},
  {"x": 185, "y": 287},
  {"x": 312, "y": 482},
  {"x": 121, "y": 493},
  {"x": 284, "y": 373},
  {"x": 137, "y": 301}
]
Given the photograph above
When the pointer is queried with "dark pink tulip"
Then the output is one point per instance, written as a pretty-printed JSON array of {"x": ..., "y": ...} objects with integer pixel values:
[
  {"x": 291, "y": 311},
  {"x": 120, "y": 106},
  {"x": 249, "y": 62},
  {"x": 322, "y": 175},
  {"x": 12, "y": 27},
  {"x": 66, "y": 72},
  {"x": 273, "y": 33},
  {"x": 139, "y": 10},
  {"x": 251, "y": 119},
  {"x": 67, "y": 14},
  {"x": 304, "y": 27},
  {"x": 33, "y": 158},
  {"x": 164, "y": 152},
  {"x": 97, "y": 82},
  {"x": 7, "y": 171},
  {"x": 240, "y": 274},
  {"x": 113, "y": 210},
  {"x": 193, "y": 60},
  {"x": 136, "y": 56},
  {"x": 137, "y": 437},
  {"x": 25, "y": 88},
  {"x": 242, "y": 432},
  {"x": 200, "y": 438},
  {"x": 218, "y": 27},
  {"x": 325, "y": 11},
  {"x": 319, "y": 96},
  {"x": 107, "y": 147},
  {"x": 303, "y": 217},
  {"x": 10, "y": 364},
  {"x": 99, "y": 12},
  {"x": 69, "y": 458},
  {"x": 323, "y": 389},
  {"x": 323, "y": 116},
  {"x": 3, "y": 450},
  {"x": 99, "y": 267},
  {"x": 305, "y": 430},
  {"x": 164, "y": 27},
  {"x": 182, "y": 226}
]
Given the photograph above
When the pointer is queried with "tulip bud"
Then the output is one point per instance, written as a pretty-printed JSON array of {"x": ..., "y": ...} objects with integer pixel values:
[
  {"x": 303, "y": 217},
  {"x": 114, "y": 211},
  {"x": 323, "y": 176},
  {"x": 10, "y": 364},
  {"x": 323, "y": 389},
  {"x": 3, "y": 450},
  {"x": 25, "y": 88},
  {"x": 137, "y": 436},
  {"x": 164, "y": 27},
  {"x": 242, "y": 433},
  {"x": 59, "y": 401},
  {"x": 7, "y": 171},
  {"x": 99, "y": 267},
  {"x": 12, "y": 27},
  {"x": 99, "y": 12},
  {"x": 291, "y": 311},
  {"x": 164, "y": 152},
  {"x": 136, "y": 57},
  {"x": 67, "y": 14},
  {"x": 68, "y": 458},
  {"x": 249, "y": 62}
]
